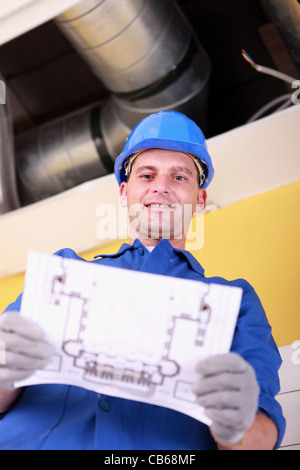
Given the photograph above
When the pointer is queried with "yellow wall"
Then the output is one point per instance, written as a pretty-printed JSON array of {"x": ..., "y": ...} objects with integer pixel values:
[{"x": 257, "y": 239}]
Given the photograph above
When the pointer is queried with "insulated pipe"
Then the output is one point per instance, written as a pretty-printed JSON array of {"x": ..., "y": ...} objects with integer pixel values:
[
  {"x": 286, "y": 16},
  {"x": 146, "y": 54},
  {"x": 9, "y": 199}
]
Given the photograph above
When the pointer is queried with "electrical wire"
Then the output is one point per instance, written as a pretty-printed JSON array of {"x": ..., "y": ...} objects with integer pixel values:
[
  {"x": 286, "y": 102},
  {"x": 286, "y": 99},
  {"x": 268, "y": 71}
]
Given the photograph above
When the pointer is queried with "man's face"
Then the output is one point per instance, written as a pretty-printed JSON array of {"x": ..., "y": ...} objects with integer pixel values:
[{"x": 162, "y": 195}]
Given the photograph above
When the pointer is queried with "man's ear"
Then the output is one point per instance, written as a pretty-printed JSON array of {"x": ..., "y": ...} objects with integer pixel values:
[
  {"x": 201, "y": 201},
  {"x": 123, "y": 195}
]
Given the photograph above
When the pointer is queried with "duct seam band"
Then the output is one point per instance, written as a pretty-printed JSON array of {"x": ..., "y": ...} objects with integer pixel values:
[
  {"x": 163, "y": 83},
  {"x": 99, "y": 141}
]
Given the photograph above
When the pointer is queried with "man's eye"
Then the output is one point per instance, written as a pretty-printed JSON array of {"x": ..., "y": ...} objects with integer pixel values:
[
  {"x": 146, "y": 177},
  {"x": 180, "y": 178}
]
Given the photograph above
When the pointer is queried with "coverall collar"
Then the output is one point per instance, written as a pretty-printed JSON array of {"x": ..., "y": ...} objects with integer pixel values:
[{"x": 164, "y": 247}]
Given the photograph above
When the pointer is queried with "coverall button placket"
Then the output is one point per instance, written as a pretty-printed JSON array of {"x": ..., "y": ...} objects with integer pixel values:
[
  {"x": 141, "y": 251},
  {"x": 105, "y": 405}
]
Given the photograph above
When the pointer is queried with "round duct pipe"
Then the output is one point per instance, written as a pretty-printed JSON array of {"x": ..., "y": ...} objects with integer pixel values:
[
  {"x": 9, "y": 199},
  {"x": 286, "y": 16},
  {"x": 62, "y": 154},
  {"x": 146, "y": 54},
  {"x": 129, "y": 44}
]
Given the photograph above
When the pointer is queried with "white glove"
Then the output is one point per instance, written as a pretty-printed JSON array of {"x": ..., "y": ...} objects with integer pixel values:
[
  {"x": 25, "y": 351},
  {"x": 228, "y": 390}
]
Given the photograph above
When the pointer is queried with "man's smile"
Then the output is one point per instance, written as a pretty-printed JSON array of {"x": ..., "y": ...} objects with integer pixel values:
[{"x": 160, "y": 205}]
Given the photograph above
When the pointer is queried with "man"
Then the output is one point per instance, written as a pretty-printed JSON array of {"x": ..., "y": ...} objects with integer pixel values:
[{"x": 163, "y": 173}]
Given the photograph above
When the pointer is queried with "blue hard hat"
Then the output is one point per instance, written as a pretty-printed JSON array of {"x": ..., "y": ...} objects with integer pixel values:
[{"x": 169, "y": 130}]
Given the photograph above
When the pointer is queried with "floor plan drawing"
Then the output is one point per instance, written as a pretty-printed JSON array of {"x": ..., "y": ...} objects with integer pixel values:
[
  {"x": 110, "y": 336},
  {"x": 139, "y": 374}
]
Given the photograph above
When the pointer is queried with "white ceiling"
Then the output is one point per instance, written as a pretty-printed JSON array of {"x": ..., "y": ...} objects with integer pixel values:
[{"x": 20, "y": 16}]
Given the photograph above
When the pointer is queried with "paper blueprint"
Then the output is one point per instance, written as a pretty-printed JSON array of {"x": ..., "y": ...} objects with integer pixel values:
[{"x": 124, "y": 333}]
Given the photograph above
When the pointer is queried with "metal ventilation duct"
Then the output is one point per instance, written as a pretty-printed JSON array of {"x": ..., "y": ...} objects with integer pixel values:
[
  {"x": 8, "y": 188},
  {"x": 146, "y": 54}
]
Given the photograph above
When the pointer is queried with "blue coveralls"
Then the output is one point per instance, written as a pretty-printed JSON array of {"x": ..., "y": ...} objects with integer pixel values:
[{"x": 68, "y": 417}]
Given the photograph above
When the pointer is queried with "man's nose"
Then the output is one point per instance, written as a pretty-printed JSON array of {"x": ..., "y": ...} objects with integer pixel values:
[{"x": 161, "y": 184}]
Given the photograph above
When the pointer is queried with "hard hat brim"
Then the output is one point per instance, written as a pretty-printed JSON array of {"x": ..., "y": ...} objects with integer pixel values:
[{"x": 198, "y": 150}]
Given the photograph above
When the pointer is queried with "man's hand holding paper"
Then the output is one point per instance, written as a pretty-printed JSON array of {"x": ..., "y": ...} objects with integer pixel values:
[
  {"x": 25, "y": 349},
  {"x": 228, "y": 390}
]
